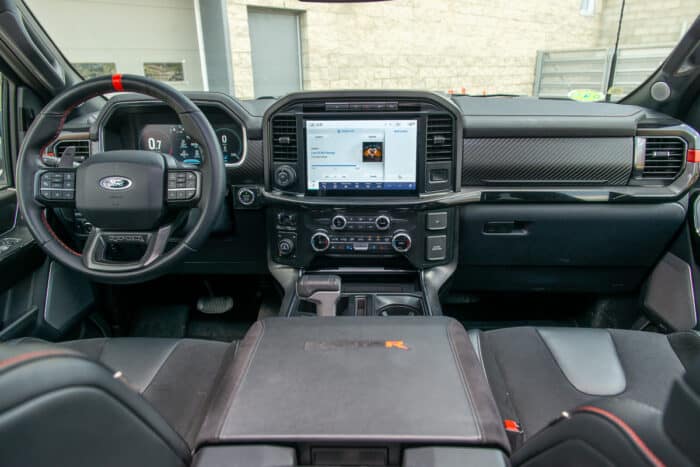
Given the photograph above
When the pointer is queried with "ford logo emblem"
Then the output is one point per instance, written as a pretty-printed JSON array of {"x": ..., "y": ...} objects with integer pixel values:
[{"x": 115, "y": 183}]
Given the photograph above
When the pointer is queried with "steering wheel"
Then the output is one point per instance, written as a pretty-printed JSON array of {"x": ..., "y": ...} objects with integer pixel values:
[{"x": 134, "y": 199}]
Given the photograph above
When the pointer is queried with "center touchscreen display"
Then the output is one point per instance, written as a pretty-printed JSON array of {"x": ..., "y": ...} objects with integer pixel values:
[{"x": 361, "y": 155}]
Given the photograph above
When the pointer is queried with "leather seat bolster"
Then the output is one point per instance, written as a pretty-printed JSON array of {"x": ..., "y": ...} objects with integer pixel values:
[
  {"x": 613, "y": 431},
  {"x": 143, "y": 357},
  {"x": 535, "y": 374},
  {"x": 59, "y": 373}
]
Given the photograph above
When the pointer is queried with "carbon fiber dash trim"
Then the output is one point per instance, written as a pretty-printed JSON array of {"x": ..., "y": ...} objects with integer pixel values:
[
  {"x": 251, "y": 170},
  {"x": 551, "y": 161}
]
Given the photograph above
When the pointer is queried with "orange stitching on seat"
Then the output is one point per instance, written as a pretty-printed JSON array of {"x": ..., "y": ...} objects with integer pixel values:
[
  {"x": 30, "y": 355},
  {"x": 629, "y": 431}
]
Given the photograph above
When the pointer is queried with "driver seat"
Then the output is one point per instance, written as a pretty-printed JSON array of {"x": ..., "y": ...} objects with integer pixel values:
[{"x": 107, "y": 402}]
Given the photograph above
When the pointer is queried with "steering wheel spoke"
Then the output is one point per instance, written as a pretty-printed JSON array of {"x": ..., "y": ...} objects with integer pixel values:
[
  {"x": 105, "y": 250},
  {"x": 184, "y": 187},
  {"x": 55, "y": 187}
]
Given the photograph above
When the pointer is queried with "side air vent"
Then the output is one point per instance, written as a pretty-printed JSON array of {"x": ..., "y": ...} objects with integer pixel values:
[
  {"x": 440, "y": 146},
  {"x": 284, "y": 139},
  {"x": 82, "y": 148},
  {"x": 663, "y": 157}
]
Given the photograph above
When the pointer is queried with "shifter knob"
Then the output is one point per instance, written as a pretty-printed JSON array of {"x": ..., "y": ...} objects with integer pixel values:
[{"x": 322, "y": 290}]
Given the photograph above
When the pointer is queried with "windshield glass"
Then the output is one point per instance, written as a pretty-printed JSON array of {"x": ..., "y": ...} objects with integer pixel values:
[{"x": 261, "y": 48}]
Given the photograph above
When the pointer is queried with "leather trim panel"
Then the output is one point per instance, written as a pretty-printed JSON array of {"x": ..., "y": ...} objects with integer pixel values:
[{"x": 588, "y": 359}]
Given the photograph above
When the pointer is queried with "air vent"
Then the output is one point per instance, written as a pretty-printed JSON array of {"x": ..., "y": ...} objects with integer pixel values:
[
  {"x": 663, "y": 158},
  {"x": 440, "y": 133},
  {"x": 82, "y": 148},
  {"x": 284, "y": 139}
]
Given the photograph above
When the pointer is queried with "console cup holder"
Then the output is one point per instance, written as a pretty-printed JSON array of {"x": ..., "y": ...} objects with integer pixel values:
[{"x": 398, "y": 305}]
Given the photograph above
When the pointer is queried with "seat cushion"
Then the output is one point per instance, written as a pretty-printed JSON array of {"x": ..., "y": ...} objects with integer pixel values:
[
  {"x": 176, "y": 376},
  {"x": 537, "y": 373}
]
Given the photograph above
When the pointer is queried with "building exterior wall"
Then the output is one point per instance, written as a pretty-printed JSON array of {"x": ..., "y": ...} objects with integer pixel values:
[
  {"x": 473, "y": 46},
  {"x": 436, "y": 44},
  {"x": 161, "y": 31},
  {"x": 647, "y": 22}
]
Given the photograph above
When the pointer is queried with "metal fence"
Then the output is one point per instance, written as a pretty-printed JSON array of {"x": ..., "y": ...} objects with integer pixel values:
[{"x": 559, "y": 71}]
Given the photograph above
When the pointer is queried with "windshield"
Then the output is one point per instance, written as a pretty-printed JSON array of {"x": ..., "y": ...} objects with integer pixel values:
[{"x": 265, "y": 48}]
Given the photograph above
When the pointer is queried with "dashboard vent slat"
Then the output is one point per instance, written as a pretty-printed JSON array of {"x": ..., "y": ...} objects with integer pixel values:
[
  {"x": 440, "y": 146},
  {"x": 663, "y": 158},
  {"x": 284, "y": 139},
  {"x": 82, "y": 148}
]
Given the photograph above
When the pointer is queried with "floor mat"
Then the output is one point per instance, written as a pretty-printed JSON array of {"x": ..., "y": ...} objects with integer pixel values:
[{"x": 161, "y": 321}]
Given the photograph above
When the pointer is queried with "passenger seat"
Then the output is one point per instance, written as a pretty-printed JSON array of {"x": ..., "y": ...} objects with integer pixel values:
[{"x": 538, "y": 373}]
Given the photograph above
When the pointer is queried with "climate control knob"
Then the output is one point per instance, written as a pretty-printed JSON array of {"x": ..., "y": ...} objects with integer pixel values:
[
  {"x": 382, "y": 222},
  {"x": 401, "y": 242},
  {"x": 320, "y": 242},
  {"x": 338, "y": 222}
]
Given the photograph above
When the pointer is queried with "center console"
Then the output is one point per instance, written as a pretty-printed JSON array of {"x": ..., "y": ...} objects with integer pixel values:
[
  {"x": 355, "y": 182},
  {"x": 355, "y": 392}
]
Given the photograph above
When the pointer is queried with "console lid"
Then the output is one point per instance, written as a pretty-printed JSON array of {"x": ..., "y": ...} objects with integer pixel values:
[{"x": 359, "y": 380}]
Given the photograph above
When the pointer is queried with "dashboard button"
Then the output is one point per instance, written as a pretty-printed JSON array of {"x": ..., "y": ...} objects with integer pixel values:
[
  {"x": 436, "y": 247},
  {"x": 436, "y": 220},
  {"x": 285, "y": 246},
  {"x": 246, "y": 196}
]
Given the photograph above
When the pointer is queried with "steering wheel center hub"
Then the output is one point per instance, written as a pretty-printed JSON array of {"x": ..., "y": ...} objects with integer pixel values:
[{"x": 120, "y": 190}]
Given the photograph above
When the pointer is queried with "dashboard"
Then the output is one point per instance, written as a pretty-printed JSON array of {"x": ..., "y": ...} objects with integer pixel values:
[{"x": 507, "y": 193}]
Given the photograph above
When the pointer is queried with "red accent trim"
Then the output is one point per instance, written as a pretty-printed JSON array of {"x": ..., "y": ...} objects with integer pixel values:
[
  {"x": 693, "y": 155},
  {"x": 634, "y": 437},
  {"x": 117, "y": 83},
  {"x": 31, "y": 355},
  {"x": 53, "y": 234},
  {"x": 512, "y": 425}
]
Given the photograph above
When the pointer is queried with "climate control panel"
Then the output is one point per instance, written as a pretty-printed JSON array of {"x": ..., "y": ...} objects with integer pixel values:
[{"x": 302, "y": 236}]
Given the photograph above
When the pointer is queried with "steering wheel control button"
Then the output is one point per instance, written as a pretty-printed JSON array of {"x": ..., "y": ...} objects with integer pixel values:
[
  {"x": 57, "y": 186},
  {"x": 182, "y": 186},
  {"x": 382, "y": 222},
  {"x": 339, "y": 222},
  {"x": 436, "y": 247},
  {"x": 401, "y": 242},
  {"x": 436, "y": 221},
  {"x": 320, "y": 242}
]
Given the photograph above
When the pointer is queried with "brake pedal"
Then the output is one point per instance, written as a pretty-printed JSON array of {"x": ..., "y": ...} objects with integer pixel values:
[{"x": 215, "y": 305}]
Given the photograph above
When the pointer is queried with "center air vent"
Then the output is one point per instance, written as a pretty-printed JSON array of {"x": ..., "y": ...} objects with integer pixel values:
[
  {"x": 663, "y": 157},
  {"x": 82, "y": 148},
  {"x": 284, "y": 139},
  {"x": 440, "y": 133}
]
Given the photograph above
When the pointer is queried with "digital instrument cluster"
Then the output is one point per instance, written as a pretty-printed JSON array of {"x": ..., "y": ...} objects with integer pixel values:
[{"x": 173, "y": 140}]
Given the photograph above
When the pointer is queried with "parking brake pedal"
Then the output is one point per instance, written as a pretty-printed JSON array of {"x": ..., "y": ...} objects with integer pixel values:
[{"x": 214, "y": 305}]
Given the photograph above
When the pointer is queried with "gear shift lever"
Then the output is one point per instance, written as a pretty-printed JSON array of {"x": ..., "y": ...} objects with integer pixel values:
[{"x": 321, "y": 290}]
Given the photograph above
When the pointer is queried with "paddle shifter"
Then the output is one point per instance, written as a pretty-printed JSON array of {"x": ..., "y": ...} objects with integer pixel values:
[{"x": 321, "y": 290}]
